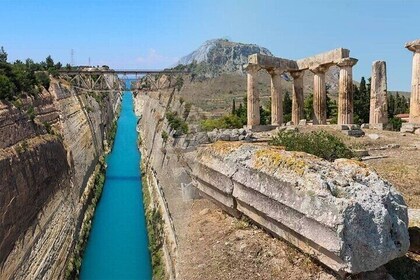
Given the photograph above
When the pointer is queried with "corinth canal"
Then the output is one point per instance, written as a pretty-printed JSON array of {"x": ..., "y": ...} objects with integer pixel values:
[{"x": 118, "y": 246}]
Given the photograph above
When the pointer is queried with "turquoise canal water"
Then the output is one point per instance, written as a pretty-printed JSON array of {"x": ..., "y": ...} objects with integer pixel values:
[{"x": 118, "y": 246}]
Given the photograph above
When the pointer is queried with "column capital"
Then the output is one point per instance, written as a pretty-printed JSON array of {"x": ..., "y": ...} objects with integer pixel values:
[
  {"x": 252, "y": 68},
  {"x": 347, "y": 62},
  {"x": 296, "y": 74},
  {"x": 413, "y": 46},
  {"x": 319, "y": 69}
]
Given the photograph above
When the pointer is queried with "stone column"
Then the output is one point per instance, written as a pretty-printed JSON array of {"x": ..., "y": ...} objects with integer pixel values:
[
  {"x": 253, "y": 99},
  {"x": 297, "y": 98},
  {"x": 345, "y": 91},
  {"x": 276, "y": 97},
  {"x": 378, "y": 94},
  {"x": 320, "y": 95},
  {"x": 414, "y": 46}
]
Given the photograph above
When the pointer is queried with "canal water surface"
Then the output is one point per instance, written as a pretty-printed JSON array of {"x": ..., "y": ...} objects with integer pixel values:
[{"x": 118, "y": 246}]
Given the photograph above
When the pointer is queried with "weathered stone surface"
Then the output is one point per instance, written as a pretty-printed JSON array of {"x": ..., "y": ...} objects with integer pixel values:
[
  {"x": 373, "y": 136},
  {"x": 253, "y": 98},
  {"x": 340, "y": 212},
  {"x": 354, "y": 132},
  {"x": 325, "y": 58},
  {"x": 378, "y": 94},
  {"x": 414, "y": 46},
  {"x": 297, "y": 96},
  {"x": 42, "y": 213},
  {"x": 409, "y": 127},
  {"x": 320, "y": 95},
  {"x": 414, "y": 229},
  {"x": 276, "y": 98},
  {"x": 345, "y": 93},
  {"x": 303, "y": 122}
]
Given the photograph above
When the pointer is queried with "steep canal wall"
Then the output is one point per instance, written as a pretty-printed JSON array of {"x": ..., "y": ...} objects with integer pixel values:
[
  {"x": 49, "y": 149},
  {"x": 340, "y": 213}
]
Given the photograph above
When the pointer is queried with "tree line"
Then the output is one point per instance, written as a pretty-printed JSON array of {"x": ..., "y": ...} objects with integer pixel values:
[{"x": 24, "y": 78}]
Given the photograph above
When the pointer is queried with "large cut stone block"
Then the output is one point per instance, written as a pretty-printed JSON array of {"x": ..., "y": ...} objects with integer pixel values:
[
  {"x": 325, "y": 58},
  {"x": 342, "y": 213}
]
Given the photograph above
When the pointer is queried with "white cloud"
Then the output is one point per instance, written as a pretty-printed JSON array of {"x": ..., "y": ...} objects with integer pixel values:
[{"x": 153, "y": 59}]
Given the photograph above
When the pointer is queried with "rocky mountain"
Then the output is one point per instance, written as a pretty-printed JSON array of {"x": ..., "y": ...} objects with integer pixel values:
[{"x": 221, "y": 55}]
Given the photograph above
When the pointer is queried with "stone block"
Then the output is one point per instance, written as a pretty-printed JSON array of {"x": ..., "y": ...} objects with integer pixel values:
[
  {"x": 354, "y": 133},
  {"x": 409, "y": 127},
  {"x": 373, "y": 136},
  {"x": 365, "y": 126},
  {"x": 341, "y": 213},
  {"x": 303, "y": 122}
]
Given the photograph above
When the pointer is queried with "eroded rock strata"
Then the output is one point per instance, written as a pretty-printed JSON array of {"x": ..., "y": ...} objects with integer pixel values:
[{"x": 50, "y": 146}]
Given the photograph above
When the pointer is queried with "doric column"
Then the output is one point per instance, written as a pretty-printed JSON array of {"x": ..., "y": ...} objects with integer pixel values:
[
  {"x": 276, "y": 97},
  {"x": 414, "y": 46},
  {"x": 253, "y": 99},
  {"x": 345, "y": 91},
  {"x": 320, "y": 95},
  {"x": 378, "y": 94},
  {"x": 297, "y": 98}
]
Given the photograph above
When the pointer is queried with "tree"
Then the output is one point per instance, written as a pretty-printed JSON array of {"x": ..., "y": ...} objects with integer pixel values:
[
  {"x": 49, "y": 62},
  {"x": 179, "y": 83},
  {"x": 3, "y": 55},
  {"x": 332, "y": 110},
  {"x": 308, "y": 107},
  {"x": 233, "y": 106},
  {"x": 6, "y": 88},
  {"x": 362, "y": 102},
  {"x": 287, "y": 107}
]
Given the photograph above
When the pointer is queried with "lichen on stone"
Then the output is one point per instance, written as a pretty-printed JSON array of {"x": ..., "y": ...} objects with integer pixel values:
[{"x": 271, "y": 159}]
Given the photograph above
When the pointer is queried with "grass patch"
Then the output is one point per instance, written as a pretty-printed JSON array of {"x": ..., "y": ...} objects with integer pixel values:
[
  {"x": 318, "y": 143},
  {"x": 155, "y": 232},
  {"x": 75, "y": 261}
]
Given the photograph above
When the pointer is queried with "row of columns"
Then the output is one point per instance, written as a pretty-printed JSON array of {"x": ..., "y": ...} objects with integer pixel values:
[{"x": 345, "y": 100}]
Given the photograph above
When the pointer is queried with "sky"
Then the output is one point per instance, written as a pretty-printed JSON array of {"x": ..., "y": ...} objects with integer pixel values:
[{"x": 153, "y": 34}]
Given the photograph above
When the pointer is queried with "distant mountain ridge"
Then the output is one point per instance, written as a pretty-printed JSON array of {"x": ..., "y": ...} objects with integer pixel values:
[{"x": 221, "y": 55}]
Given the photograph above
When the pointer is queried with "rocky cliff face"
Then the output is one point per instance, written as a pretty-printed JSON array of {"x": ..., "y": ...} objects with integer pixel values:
[
  {"x": 220, "y": 55},
  {"x": 49, "y": 147}
]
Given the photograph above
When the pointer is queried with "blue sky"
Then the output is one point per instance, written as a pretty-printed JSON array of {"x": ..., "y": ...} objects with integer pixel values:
[{"x": 155, "y": 33}]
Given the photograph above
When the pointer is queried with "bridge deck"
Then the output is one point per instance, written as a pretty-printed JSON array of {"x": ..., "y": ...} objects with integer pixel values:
[{"x": 123, "y": 71}]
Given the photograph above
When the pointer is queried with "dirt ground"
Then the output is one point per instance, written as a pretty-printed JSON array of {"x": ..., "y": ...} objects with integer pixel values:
[{"x": 222, "y": 247}]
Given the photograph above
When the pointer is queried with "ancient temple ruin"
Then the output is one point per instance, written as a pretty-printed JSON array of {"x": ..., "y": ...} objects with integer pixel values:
[{"x": 317, "y": 64}]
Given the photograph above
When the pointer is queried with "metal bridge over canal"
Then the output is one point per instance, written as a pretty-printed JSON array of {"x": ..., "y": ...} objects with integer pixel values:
[{"x": 105, "y": 79}]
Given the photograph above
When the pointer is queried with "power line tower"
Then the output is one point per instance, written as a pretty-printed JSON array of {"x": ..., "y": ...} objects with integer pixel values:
[{"x": 72, "y": 57}]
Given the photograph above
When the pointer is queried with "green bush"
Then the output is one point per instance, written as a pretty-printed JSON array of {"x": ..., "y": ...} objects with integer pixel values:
[
  {"x": 225, "y": 122},
  {"x": 43, "y": 79},
  {"x": 165, "y": 136},
  {"x": 395, "y": 124},
  {"x": 318, "y": 143},
  {"x": 176, "y": 123}
]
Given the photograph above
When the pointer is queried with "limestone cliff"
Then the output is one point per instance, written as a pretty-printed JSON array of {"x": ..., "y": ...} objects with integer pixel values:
[{"x": 49, "y": 147}]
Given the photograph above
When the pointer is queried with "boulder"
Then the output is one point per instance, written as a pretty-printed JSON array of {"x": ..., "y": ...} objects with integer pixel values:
[{"x": 373, "y": 136}]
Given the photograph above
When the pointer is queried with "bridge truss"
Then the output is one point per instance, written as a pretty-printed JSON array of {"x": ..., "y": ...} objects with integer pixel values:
[{"x": 104, "y": 79}]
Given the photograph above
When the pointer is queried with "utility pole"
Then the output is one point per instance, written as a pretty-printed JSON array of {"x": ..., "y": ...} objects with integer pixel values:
[{"x": 72, "y": 57}]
